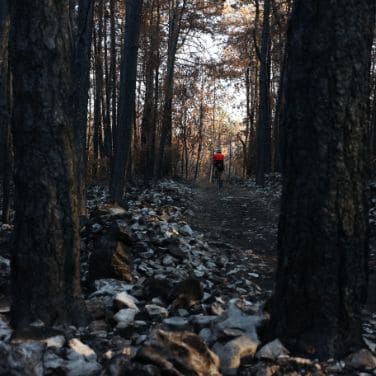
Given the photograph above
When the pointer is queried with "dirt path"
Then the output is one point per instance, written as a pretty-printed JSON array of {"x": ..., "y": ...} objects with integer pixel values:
[{"x": 245, "y": 218}]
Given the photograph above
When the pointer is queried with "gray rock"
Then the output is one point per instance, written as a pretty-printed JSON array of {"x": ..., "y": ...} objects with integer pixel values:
[
  {"x": 232, "y": 332},
  {"x": 168, "y": 260},
  {"x": 176, "y": 322},
  {"x": 125, "y": 317},
  {"x": 26, "y": 359},
  {"x": 52, "y": 362},
  {"x": 76, "y": 345},
  {"x": 56, "y": 341},
  {"x": 156, "y": 311},
  {"x": 96, "y": 227},
  {"x": 5, "y": 330},
  {"x": 272, "y": 350},
  {"x": 217, "y": 309},
  {"x": 123, "y": 299},
  {"x": 77, "y": 365},
  {"x": 234, "y": 318},
  {"x": 202, "y": 320},
  {"x": 110, "y": 286},
  {"x": 232, "y": 352},
  {"x": 183, "y": 312},
  {"x": 363, "y": 359},
  {"x": 206, "y": 334},
  {"x": 186, "y": 230}
]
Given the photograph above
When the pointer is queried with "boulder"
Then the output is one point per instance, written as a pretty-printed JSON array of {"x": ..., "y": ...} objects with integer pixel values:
[
  {"x": 176, "y": 322},
  {"x": 5, "y": 330},
  {"x": 125, "y": 317},
  {"x": 180, "y": 354},
  {"x": 123, "y": 299},
  {"x": 76, "y": 345},
  {"x": 156, "y": 312},
  {"x": 363, "y": 359},
  {"x": 79, "y": 365},
  {"x": 272, "y": 350},
  {"x": 232, "y": 352},
  {"x": 26, "y": 359}
]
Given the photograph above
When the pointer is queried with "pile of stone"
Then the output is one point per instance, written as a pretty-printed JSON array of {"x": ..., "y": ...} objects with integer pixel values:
[{"x": 162, "y": 300}]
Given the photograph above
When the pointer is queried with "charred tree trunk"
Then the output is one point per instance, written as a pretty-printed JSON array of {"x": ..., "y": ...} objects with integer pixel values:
[
  {"x": 97, "y": 136},
  {"x": 45, "y": 259},
  {"x": 5, "y": 111},
  {"x": 200, "y": 131},
  {"x": 148, "y": 112},
  {"x": 165, "y": 150},
  {"x": 278, "y": 120},
  {"x": 81, "y": 68},
  {"x": 263, "y": 153},
  {"x": 113, "y": 65},
  {"x": 127, "y": 97},
  {"x": 322, "y": 242},
  {"x": 107, "y": 102}
]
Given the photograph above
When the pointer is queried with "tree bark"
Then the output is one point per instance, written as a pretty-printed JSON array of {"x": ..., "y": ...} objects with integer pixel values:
[
  {"x": 127, "y": 97},
  {"x": 164, "y": 158},
  {"x": 81, "y": 68},
  {"x": 322, "y": 242},
  {"x": 45, "y": 259},
  {"x": 263, "y": 154},
  {"x": 5, "y": 111},
  {"x": 113, "y": 70},
  {"x": 148, "y": 112}
]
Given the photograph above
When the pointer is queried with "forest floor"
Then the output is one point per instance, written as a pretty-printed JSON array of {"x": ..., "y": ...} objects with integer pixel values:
[{"x": 145, "y": 312}]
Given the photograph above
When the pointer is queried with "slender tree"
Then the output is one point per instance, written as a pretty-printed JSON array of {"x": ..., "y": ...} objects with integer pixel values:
[
  {"x": 81, "y": 67},
  {"x": 148, "y": 130},
  {"x": 322, "y": 241},
  {"x": 127, "y": 97},
  {"x": 263, "y": 156},
  {"x": 177, "y": 10},
  {"x": 45, "y": 257}
]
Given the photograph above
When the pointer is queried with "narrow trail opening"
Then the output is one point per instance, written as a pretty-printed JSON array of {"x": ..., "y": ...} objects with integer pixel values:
[{"x": 242, "y": 220}]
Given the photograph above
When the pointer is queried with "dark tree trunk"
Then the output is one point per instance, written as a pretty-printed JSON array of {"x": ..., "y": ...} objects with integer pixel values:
[
  {"x": 113, "y": 70},
  {"x": 278, "y": 120},
  {"x": 263, "y": 154},
  {"x": 5, "y": 139},
  {"x": 148, "y": 113},
  {"x": 200, "y": 132},
  {"x": 97, "y": 136},
  {"x": 165, "y": 145},
  {"x": 251, "y": 152},
  {"x": 45, "y": 259},
  {"x": 81, "y": 68},
  {"x": 127, "y": 97},
  {"x": 107, "y": 111},
  {"x": 322, "y": 241}
]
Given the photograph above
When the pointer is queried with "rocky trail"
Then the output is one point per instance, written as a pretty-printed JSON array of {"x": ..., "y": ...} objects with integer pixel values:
[{"x": 174, "y": 283}]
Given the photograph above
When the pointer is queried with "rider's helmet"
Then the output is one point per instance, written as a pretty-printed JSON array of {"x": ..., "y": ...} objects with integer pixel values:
[{"x": 219, "y": 150}]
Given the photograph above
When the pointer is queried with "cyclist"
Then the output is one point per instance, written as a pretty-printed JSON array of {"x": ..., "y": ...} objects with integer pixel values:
[{"x": 218, "y": 165}]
